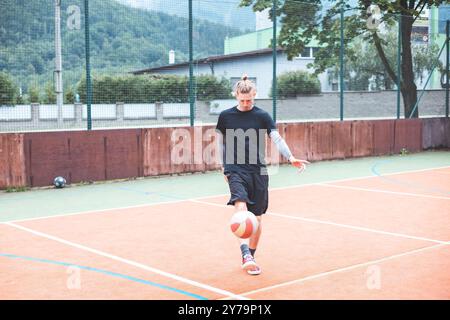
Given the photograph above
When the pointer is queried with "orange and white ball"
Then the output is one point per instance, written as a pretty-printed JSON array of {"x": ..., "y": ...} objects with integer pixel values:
[{"x": 243, "y": 224}]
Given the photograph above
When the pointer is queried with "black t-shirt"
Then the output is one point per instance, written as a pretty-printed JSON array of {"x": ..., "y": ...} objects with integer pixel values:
[{"x": 244, "y": 139}]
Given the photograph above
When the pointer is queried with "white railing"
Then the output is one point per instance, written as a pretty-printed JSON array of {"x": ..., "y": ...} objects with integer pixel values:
[
  {"x": 101, "y": 112},
  {"x": 50, "y": 112},
  {"x": 176, "y": 110},
  {"x": 15, "y": 113},
  {"x": 139, "y": 111}
]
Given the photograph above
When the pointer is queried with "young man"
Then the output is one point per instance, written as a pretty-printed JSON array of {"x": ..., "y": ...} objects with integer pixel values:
[{"x": 243, "y": 129}]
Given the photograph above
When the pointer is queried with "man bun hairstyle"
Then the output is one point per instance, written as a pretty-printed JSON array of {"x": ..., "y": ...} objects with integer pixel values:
[{"x": 244, "y": 85}]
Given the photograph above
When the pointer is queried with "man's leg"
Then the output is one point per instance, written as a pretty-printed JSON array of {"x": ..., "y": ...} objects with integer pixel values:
[
  {"x": 241, "y": 206},
  {"x": 259, "y": 193},
  {"x": 254, "y": 239},
  {"x": 248, "y": 261}
]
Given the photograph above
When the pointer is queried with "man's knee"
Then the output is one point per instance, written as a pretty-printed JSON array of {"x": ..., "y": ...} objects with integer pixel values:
[
  {"x": 240, "y": 205},
  {"x": 259, "y": 221}
]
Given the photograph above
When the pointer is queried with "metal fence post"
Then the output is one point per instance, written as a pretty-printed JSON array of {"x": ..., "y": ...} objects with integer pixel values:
[
  {"x": 399, "y": 67},
  {"x": 88, "y": 65},
  {"x": 274, "y": 59},
  {"x": 191, "y": 68},
  {"x": 341, "y": 61},
  {"x": 447, "y": 69}
]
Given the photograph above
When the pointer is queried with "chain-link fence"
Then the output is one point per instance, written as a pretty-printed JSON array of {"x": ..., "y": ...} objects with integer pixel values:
[{"x": 82, "y": 64}]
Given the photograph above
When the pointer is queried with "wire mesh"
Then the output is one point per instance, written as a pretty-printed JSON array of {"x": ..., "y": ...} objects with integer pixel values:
[{"x": 140, "y": 60}]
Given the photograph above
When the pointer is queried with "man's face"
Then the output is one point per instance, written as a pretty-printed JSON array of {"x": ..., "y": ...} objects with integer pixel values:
[{"x": 246, "y": 99}]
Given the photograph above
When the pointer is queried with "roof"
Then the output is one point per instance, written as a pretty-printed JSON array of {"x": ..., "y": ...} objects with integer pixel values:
[{"x": 208, "y": 60}]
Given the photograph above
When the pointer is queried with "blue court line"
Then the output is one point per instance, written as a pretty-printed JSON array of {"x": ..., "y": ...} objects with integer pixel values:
[
  {"x": 418, "y": 186},
  {"x": 109, "y": 273},
  {"x": 149, "y": 193},
  {"x": 136, "y": 191}
]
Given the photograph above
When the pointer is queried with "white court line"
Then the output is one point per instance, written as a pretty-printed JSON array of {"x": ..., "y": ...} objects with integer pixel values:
[
  {"x": 130, "y": 262},
  {"x": 395, "y": 234},
  {"x": 324, "y": 274},
  {"x": 218, "y": 195},
  {"x": 383, "y": 191},
  {"x": 361, "y": 178},
  {"x": 97, "y": 211}
]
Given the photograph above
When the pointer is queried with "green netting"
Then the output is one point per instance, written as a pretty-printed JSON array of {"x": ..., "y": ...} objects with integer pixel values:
[{"x": 140, "y": 62}]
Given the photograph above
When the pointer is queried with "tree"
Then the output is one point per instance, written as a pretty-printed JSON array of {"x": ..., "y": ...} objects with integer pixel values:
[
  {"x": 36, "y": 61},
  {"x": 303, "y": 21},
  {"x": 50, "y": 95},
  {"x": 34, "y": 96},
  {"x": 123, "y": 39},
  {"x": 208, "y": 88},
  {"x": 424, "y": 59},
  {"x": 8, "y": 90},
  {"x": 20, "y": 99},
  {"x": 69, "y": 96},
  {"x": 293, "y": 83},
  {"x": 153, "y": 88},
  {"x": 367, "y": 70}
]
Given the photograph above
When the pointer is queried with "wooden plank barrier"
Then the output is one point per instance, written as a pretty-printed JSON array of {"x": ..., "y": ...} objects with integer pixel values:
[
  {"x": 34, "y": 159},
  {"x": 12, "y": 161},
  {"x": 82, "y": 156}
]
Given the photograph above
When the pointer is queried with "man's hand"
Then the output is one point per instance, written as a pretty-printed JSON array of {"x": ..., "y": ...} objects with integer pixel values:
[
  {"x": 224, "y": 176},
  {"x": 300, "y": 164}
]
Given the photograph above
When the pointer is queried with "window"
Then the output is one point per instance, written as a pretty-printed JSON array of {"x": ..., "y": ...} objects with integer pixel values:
[
  {"x": 419, "y": 34},
  {"x": 444, "y": 15},
  {"x": 306, "y": 53},
  {"x": 315, "y": 49}
]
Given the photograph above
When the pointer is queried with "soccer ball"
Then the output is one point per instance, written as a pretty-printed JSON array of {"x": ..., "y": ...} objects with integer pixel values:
[{"x": 59, "y": 182}]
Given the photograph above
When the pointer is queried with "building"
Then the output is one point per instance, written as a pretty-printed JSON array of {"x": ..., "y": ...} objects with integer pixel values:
[
  {"x": 257, "y": 64},
  {"x": 250, "y": 53},
  {"x": 438, "y": 18}
]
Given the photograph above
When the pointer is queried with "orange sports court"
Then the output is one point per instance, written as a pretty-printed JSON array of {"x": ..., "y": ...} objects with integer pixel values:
[
  {"x": 368, "y": 228},
  {"x": 112, "y": 175}
]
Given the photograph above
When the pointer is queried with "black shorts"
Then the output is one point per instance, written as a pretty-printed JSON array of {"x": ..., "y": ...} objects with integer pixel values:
[{"x": 251, "y": 188}]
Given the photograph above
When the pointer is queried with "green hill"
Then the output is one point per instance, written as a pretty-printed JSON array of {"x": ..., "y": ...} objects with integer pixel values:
[
  {"x": 122, "y": 39},
  {"x": 224, "y": 12}
]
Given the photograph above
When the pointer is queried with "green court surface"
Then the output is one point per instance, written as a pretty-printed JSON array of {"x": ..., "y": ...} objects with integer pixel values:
[{"x": 140, "y": 192}]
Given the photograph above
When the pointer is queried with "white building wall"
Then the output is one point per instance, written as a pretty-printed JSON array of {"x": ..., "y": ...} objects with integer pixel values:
[{"x": 259, "y": 67}]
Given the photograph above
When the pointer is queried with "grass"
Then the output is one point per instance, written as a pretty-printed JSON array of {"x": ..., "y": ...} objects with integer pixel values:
[{"x": 16, "y": 189}]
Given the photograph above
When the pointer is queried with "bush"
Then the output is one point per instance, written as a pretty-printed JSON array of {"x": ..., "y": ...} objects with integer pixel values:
[
  {"x": 33, "y": 94},
  {"x": 69, "y": 96},
  {"x": 210, "y": 88},
  {"x": 21, "y": 100},
  {"x": 8, "y": 90},
  {"x": 50, "y": 95},
  {"x": 154, "y": 88},
  {"x": 291, "y": 84}
]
